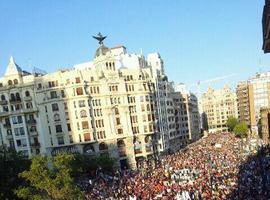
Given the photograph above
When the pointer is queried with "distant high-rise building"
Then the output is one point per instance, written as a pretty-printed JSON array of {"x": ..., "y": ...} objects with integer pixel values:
[
  {"x": 217, "y": 106},
  {"x": 243, "y": 102},
  {"x": 253, "y": 95}
]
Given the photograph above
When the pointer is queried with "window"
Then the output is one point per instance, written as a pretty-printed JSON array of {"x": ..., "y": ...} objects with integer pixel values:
[
  {"x": 56, "y": 117},
  {"x": 87, "y": 137},
  {"x": 85, "y": 125},
  {"x": 120, "y": 131},
  {"x": 68, "y": 127},
  {"x": 3, "y": 98},
  {"x": 27, "y": 93},
  {"x": 20, "y": 119},
  {"x": 103, "y": 146},
  {"x": 79, "y": 91},
  {"x": 118, "y": 121},
  {"x": 53, "y": 94},
  {"x": 55, "y": 107},
  {"x": 60, "y": 140},
  {"x": 63, "y": 95},
  {"x": 10, "y": 82},
  {"x": 81, "y": 103},
  {"x": 77, "y": 79},
  {"x": 18, "y": 98},
  {"x": 58, "y": 128},
  {"x": 39, "y": 86},
  {"x": 19, "y": 131},
  {"x": 14, "y": 120},
  {"x": 83, "y": 114}
]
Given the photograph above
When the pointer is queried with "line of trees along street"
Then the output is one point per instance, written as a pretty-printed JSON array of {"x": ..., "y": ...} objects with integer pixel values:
[{"x": 43, "y": 177}]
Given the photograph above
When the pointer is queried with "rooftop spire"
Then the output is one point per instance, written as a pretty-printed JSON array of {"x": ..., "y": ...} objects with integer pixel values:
[
  {"x": 12, "y": 67},
  {"x": 99, "y": 38}
]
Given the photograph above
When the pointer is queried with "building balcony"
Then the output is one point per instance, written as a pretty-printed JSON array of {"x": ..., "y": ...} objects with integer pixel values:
[
  {"x": 29, "y": 110},
  {"x": 137, "y": 151},
  {"x": 9, "y": 137},
  {"x": 7, "y": 125},
  {"x": 4, "y": 113},
  {"x": 148, "y": 148},
  {"x": 15, "y": 100},
  {"x": 33, "y": 133},
  {"x": 35, "y": 144},
  {"x": 29, "y": 98},
  {"x": 3, "y": 102},
  {"x": 31, "y": 121}
]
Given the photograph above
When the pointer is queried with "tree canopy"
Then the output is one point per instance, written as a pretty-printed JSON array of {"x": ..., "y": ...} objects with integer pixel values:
[
  {"x": 50, "y": 178},
  {"x": 241, "y": 130},
  {"x": 231, "y": 122},
  {"x": 11, "y": 164}
]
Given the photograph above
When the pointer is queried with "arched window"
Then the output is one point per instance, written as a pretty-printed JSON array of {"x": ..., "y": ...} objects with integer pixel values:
[
  {"x": 18, "y": 97},
  {"x": 116, "y": 111},
  {"x": 103, "y": 146},
  {"x": 3, "y": 98},
  {"x": 120, "y": 143},
  {"x": 83, "y": 114},
  {"x": 147, "y": 139},
  {"x": 12, "y": 97},
  {"x": 56, "y": 117},
  {"x": 15, "y": 81},
  {"x": 10, "y": 82},
  {"x": 27, "y": 93}
]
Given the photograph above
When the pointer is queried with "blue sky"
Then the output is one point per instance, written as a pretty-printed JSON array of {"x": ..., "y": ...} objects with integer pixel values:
[{"x": 198, "y": 39}]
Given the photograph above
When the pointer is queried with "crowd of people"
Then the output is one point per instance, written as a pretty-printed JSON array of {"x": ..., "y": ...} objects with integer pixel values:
[{"x": 212, "y": 168}]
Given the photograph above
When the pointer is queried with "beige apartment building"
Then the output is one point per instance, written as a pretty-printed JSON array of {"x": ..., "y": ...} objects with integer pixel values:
[
  {"x": 217, "y": 106},
  {"x": 118, "y": 104},
  {"x": 243, "y": 102},
  {"x": 187, "y": 120},
  {"x": 253, "y": 95}
]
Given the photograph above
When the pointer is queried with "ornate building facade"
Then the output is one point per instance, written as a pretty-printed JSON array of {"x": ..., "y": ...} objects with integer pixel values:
[
  {"x": 118, "y": 104},
  {"x": 217, "y": 106}
]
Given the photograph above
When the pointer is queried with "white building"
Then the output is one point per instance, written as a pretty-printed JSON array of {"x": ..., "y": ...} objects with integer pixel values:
[{"x": 118, "y": 104}]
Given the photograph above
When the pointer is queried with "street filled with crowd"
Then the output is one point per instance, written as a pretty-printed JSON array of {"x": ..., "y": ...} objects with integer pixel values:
[{"x": 214, "y": 167}]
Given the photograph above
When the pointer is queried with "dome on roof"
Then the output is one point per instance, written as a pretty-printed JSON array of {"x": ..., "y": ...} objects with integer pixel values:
[{"x": 102, "y": 50}]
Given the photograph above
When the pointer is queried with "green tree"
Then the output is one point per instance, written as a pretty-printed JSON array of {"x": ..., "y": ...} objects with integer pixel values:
[
  {"x": 84, "y": 163},
  {"x": 50, "y": 178},
  {"x": 11, "y": 164},
  {"x": 241, "y": 130},
  {"x": 231, "y": 122}
]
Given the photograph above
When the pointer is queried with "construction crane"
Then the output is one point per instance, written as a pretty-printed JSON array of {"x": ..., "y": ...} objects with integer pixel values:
[{"x": 198, "y": 84}]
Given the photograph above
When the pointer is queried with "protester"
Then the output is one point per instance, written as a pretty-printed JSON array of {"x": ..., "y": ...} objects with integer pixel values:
[{"x": 212, "y": 168}]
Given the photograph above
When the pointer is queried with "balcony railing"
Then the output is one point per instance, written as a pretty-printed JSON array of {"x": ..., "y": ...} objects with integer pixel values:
[
  {"x": 28, "y": 98},
  {"x": 138, "y": 151},
  {"x": 15, "y": 100},
  {"x": 35, "y": 144},
  {"x": 7, "y": 125},
  {"x": 3, "y": 113},
  {"x": 31, "y": 121},
  {"x": 9, "y": 137},
  {"x": 148, "y": 148},
  {"x": 3, "y": 102},
  {"x": 33, "y": 132}
]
